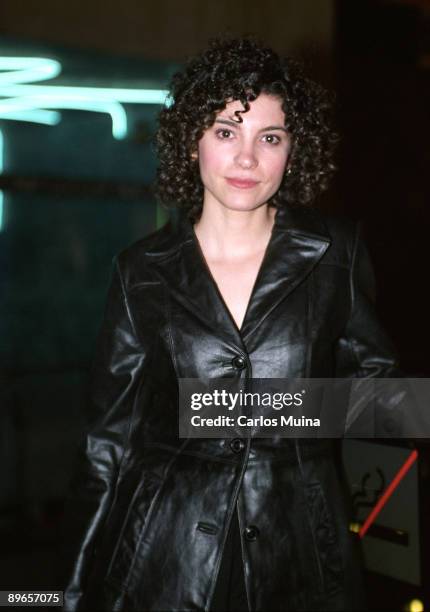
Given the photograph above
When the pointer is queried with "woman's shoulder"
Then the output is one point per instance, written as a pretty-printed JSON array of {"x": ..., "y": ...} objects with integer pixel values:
[
  {"x": 339, "y": 231},
  {"x": 136, "y": 261}
]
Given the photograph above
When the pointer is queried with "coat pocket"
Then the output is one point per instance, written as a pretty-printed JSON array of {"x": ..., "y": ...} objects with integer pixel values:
[{"x": 325, "y": 540}]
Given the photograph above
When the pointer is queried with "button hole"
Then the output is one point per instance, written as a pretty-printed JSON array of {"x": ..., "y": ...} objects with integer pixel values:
[{"x": 207, "y": 528}]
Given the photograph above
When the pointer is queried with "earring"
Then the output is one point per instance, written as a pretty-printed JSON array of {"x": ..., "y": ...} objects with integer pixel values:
[{"x": 289, "y": 171}]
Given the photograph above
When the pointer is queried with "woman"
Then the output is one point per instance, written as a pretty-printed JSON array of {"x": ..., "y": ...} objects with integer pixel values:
[{"x": 247, "y": 282}]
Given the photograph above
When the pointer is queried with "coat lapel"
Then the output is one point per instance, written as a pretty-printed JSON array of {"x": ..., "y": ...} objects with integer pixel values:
[
  {"x": 299, "y": 239},
  {"x": 190, "y": 284}
]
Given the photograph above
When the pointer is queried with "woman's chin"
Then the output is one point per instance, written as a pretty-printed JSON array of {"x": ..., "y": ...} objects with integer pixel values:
[{"x": 242, "y": 204}]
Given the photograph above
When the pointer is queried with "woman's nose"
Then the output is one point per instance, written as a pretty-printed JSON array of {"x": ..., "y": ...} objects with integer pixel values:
[{"x": 246, "y": 158}]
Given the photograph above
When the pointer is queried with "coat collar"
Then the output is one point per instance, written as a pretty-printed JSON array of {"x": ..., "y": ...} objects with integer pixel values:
[{"x": 298, "y": 241}]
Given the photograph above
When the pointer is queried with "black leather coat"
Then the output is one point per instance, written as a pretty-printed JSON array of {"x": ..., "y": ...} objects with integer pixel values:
[{"x": 151, "y": 510}]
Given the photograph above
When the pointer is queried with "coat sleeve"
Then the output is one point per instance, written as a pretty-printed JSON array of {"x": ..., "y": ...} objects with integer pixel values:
[
  {"x": 364, "y": 349},
  {"x": 377, "y": 408},
  {"x": 117, "y": 369}
]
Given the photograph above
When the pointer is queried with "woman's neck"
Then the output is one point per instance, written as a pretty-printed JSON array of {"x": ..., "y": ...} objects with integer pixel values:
[{"x": 231, "y": 234}]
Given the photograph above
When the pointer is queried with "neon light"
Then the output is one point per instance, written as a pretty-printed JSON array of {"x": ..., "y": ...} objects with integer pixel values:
[
  {"x": 28, "y": 69},
  {"x": 114, "y": 109},
  {"x": 33, "y": 116},
  {"x": 388, "y": 492},
  {"x": 131, "y": 96},
  {"x": 29, "y": 102}
]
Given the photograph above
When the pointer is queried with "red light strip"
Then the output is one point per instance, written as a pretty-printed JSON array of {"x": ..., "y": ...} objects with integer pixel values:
[{"x": 388, "y": 492}]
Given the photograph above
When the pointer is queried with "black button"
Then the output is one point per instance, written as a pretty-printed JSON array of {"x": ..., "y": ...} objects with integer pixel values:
[
  {"x": 237, "y": 445},
  {"x": 251, "y": 533},
  {"x": 238, "y": 362}
]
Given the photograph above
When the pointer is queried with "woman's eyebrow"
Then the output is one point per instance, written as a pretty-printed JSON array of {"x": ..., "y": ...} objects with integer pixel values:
[{"x": 265, "y": 129}]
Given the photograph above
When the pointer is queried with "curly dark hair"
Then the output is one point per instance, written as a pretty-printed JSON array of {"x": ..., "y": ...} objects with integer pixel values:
[{"x": 241, "y": 69}]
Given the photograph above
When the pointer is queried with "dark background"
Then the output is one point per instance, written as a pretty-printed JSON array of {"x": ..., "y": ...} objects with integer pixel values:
[{"x": 74, "y": 196}]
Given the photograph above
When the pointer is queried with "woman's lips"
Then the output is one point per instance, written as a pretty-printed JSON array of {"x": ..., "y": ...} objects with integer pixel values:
[{"x": 242, "y": 183}]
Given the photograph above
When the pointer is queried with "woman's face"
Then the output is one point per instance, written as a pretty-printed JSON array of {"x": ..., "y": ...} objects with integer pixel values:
[{"x": 242, "y": 164}]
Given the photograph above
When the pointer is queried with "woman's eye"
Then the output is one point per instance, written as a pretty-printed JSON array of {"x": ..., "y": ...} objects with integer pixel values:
[
  {"x": 272, "y": 139},
  {"x": 224, "y": 134}
]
